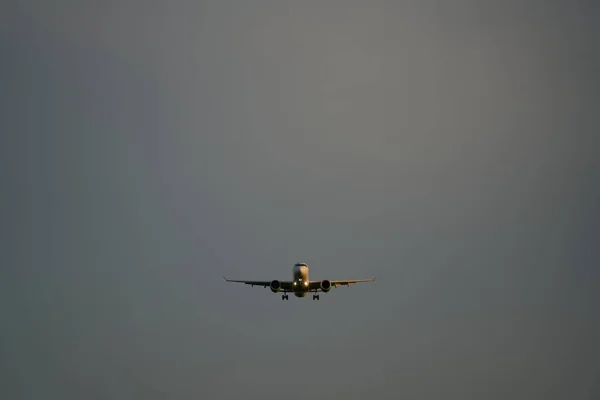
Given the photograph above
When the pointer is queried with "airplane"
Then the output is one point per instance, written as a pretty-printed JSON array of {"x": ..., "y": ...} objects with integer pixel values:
[{"x": 300, "y": 285}]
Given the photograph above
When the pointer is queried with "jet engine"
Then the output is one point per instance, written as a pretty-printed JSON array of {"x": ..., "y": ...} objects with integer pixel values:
[
  {"x": 275, "y": 286},
  {"x": 325, "y": 286}
]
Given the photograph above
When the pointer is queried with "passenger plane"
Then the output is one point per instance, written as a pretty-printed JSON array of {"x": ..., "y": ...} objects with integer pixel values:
[{"x": 301, "y": 285}]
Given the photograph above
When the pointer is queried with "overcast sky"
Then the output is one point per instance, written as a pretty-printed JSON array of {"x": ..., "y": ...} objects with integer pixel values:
[{"x": 449, "y": 149}]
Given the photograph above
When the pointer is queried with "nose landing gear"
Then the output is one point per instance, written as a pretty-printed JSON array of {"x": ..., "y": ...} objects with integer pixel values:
[
  {"x": 315, "y": 296},
  {"x": 284, "y": 297}
]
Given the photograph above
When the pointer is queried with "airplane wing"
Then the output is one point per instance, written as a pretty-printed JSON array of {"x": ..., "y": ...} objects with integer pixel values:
[
  {"x": 316, "y": 285},
  {"x": 284, "y": 285},
  {"x": 351, "y": 282}
]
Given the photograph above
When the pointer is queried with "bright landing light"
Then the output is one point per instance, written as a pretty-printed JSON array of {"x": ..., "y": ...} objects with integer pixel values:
[{"x": 305, "y": 283}]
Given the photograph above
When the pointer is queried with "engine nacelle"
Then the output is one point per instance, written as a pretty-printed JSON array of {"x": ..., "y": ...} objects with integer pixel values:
[
  {"x": 325, "y": 286},
  {"x": 275, "y": 286}
]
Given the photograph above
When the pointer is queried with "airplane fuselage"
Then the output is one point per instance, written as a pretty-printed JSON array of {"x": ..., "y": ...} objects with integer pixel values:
[{"x": 300, "y": 280}]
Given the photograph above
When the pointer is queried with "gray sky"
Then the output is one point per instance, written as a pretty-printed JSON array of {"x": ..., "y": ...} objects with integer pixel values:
[{"x": 450, "y": 150}]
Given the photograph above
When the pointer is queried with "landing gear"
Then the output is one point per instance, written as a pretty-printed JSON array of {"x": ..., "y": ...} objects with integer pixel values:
[
  {"x": 315, "y": 296},
  {"x": 284, "y": 297}
]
